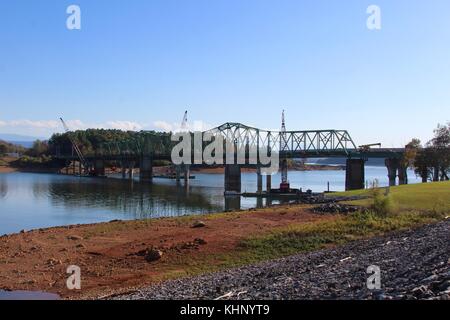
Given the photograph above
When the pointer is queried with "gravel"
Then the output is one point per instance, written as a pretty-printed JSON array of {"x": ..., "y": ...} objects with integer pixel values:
[{"x": 414, "y": 265}]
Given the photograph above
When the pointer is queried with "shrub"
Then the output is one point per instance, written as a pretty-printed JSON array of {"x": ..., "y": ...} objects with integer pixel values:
[{"x": 382, "y": 204}]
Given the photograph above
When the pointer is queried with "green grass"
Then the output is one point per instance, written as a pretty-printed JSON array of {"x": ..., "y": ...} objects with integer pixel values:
[
  {"x": 301, "y": 238},
  {"x": 318, "y": 235},
  {"x": 412, "y": 206},
  {"x": 425, "y": 196}
]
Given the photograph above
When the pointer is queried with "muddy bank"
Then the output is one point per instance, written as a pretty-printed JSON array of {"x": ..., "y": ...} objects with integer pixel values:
[{"x": 113, "y": 257}]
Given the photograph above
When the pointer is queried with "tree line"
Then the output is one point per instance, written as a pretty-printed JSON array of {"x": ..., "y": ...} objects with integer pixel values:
[{"x": 431, "y": 161}]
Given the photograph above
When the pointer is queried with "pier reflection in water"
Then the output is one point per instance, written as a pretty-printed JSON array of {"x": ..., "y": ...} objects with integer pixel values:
[{"x": 31, "y": 201}]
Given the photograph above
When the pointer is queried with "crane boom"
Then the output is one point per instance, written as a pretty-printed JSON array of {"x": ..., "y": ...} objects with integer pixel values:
[
  {"x": 74, "y": 145},
  {"x": 184, "y": 121}
]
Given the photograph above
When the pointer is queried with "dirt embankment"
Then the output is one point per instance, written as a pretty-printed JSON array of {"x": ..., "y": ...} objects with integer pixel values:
[{"x": 112, "y": 255}]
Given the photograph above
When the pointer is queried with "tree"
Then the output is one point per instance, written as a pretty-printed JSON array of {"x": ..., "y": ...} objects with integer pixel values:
[
  {"x": 3, "y": 149},
  {"x": 441, "y": 147},
  {"x": 38, "y": 149},
  {"x": 431, "y": 162}
]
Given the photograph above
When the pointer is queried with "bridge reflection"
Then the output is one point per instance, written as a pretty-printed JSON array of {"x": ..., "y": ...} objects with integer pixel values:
[{"x": 136, "y": 200}]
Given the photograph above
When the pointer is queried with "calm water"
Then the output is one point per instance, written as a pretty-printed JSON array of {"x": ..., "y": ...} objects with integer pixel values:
[{"x": 30, "y": 201}]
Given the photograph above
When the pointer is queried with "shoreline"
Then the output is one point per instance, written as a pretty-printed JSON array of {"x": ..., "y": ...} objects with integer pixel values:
[
  {"x": 162, "y": 170},
  {"x": 117, "y": 257},
  {"x": 110, "y": 254}
]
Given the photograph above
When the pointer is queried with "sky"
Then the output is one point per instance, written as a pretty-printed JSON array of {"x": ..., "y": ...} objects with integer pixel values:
[{"x": 139, "y": 64}]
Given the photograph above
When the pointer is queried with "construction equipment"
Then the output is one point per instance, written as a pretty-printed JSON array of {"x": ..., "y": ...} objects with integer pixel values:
[
  {"x": 284, "y": 185},
  {"x": 74, "y": 145},
  {"x": 366, "y": 147},
  {"x": 184, "y": 122}
]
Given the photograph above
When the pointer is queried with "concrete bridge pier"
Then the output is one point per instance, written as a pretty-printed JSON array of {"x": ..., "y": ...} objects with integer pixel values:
[
  {"x": 99, "y": 168},
  {"x": 187, "y": 173},
  {"x": 268, "y": 183},
  {"x": 233, "y": 178},
  {"x": 232, "y": 203},
  {"x": 131, "y": 170},
  {"x": 354, "y": 174},
  {"x": 123, "y": 169},
  {"x": 392, "y": 166},
  {"x": 146, "y": 169},
  {"x": 402, "y": 174},
  {"x": 259, "y": 180},
  {"x": 178, "y": 173}
]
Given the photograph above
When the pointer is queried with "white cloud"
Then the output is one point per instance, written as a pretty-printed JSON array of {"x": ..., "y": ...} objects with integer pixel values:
[
  {"x": 162, "y": 125},
  {"x": 196, "y": 125},
  {"x": 125, "y": 125},
  {"x": 48, "y": 127},
  {"x": 49, "y": 124}
]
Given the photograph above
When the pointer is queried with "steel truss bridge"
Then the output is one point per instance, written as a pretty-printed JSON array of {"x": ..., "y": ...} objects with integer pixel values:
[{"x": 291, "y": 144}]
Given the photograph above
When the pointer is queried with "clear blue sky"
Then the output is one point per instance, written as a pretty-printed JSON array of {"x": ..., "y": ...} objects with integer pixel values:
[{"x": 141, "y": 63}]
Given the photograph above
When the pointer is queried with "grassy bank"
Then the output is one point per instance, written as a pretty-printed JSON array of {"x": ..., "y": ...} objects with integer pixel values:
[{"x": 409, "y": 206}]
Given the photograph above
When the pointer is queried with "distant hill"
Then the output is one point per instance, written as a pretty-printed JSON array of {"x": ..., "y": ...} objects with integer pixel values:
[
  {"x": 25, "y": 144},
  {"x": 21, "y": 140}
]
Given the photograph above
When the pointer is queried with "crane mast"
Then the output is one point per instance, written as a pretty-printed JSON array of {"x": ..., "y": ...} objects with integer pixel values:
[
  {"x": 74, "y": 145},
  {"x": 284, "y": 185},
  {"x": 184, "y": 122}
]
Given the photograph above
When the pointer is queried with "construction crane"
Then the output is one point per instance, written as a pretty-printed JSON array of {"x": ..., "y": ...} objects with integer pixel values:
[
  {"x": 74, "y": 145},
  {"x": 284, "y": 185},
  {"x": 184, "y": 122},
  {"x": 366, "y": 147}
]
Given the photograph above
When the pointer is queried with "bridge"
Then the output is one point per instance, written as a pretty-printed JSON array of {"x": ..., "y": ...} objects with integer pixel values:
[{"x": 288, "y": 144}]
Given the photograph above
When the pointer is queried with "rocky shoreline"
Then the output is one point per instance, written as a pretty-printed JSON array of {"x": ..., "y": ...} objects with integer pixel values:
[{"x": 414, "y": 265}]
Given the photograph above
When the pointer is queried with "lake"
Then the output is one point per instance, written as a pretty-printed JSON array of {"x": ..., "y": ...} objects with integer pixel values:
[{"x": 31, "y": 201}]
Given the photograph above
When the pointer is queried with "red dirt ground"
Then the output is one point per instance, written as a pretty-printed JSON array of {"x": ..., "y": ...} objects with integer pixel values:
[{"x": 107, "y": 252}]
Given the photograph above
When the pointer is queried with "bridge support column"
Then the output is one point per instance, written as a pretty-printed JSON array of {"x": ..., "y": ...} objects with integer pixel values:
[
  {"x": 146, "y": 169},
  {"x": 178, "y": 173},
  {"x": 233, "y": 178},
  {"x": 123, "y": 169},
  {"x": 131, "y": 170},
  {"x": 402, "y": 174},
  {"x": 259, "y": 181},
  {"x": 187, "y": 173},
  {"x": 232, "y": 203},
  {"x": 354, "y": 175},
  {"x": 392, "y": 166},
  {"x": 268, "y": 183},
  {"x": 99, "y": 168}
]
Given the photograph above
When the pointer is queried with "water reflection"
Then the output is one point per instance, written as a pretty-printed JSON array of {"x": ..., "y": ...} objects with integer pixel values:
[
  {"x": 28, "y": 295},
  {"x": 30, "y": 201},
  {"x": 3, "y": 187},
  {"x": 138, "y": 200}
]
